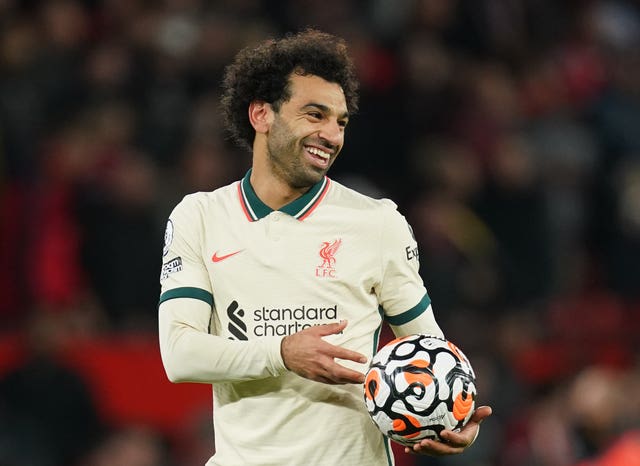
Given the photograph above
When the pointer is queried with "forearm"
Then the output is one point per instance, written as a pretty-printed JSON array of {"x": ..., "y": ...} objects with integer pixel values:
[{"x": 191, "y": 354}]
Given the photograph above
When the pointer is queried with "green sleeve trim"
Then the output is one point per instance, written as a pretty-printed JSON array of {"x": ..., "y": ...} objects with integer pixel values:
[
  {"x": 412, "y": 313},
  {"x": 187, "y": 292},
  {"x": 376, "y": 334}
]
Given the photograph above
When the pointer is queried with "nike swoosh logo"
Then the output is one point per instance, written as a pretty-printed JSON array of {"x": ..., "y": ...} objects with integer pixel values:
[{"x": 217, "y": 258}]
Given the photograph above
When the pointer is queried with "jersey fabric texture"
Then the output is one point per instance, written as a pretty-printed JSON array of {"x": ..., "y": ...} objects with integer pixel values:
[{"x": 238, "y": 277}]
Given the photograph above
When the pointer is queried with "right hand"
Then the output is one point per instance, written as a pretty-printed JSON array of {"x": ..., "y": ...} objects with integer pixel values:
[{"x": 309, "y": 356}]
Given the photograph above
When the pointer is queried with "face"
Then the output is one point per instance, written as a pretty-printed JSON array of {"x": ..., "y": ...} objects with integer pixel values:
[{"x": 307, "y": 133}]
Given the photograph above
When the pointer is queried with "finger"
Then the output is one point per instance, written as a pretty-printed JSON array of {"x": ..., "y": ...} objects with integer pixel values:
[
  {"x": 481, "y": 413},
  {"x": 338, "y": 352},
  {"x": 468, "y": 434},
  {"x": 456, "y": 439},
  {"x": 331, "y": 381},
  {"x": 343, "y": 375},
  {"x": 453, "y": 442},
  {"x": 436, "y": 448},
  {"x": 330, "y": 329},
  {"x": 335, "y": 374},
  {"x": 326, "y": 380}
]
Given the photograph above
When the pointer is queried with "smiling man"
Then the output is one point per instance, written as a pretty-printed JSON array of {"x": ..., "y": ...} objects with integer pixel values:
[
  {"x": 274, "y": 288},
  {"x": 295, "y": 146}
]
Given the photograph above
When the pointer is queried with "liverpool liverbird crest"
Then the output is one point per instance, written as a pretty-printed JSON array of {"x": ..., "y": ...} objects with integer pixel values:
[{"x": 327, "y": 253}]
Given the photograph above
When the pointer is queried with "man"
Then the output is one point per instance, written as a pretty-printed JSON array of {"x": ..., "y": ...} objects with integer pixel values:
[{"x": 274, "y": 287}]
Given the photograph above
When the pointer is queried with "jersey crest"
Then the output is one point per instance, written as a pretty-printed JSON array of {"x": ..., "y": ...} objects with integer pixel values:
[{"x": 327, "y": 254}]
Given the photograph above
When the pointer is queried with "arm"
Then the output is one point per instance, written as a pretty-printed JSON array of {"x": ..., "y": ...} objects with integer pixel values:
[
  {"x": 401, "y": 288},
  {"x": 191, "y": 354},
  {"x": 454, "y": 442},
  {"x": 424, "y": 323}
]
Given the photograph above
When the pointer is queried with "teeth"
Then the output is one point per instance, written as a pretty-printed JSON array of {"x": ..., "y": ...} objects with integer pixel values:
[{"x": 318, "y": 152}]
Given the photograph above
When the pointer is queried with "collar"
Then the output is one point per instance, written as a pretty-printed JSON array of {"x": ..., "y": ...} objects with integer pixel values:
[{"x": 299, "y": 208}]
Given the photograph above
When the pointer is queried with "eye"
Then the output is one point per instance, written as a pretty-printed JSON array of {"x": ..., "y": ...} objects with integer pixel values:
[
  {"x": 343, "y": 123},
  {"x": 315, "y": 115}
]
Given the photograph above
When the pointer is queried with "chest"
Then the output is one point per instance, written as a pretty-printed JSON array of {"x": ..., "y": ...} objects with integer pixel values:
[
  {"x": 279, "y": 275},
  {"x": 280, "y": 254}
]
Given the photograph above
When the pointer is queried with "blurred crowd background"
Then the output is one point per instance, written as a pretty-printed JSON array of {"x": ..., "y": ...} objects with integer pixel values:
[{"x": 507, "y": 131}]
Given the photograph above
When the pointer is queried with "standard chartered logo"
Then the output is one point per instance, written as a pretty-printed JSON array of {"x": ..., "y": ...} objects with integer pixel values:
[
  {"x": 283, "y": 321},
  {"x": 236, "y": 326}
]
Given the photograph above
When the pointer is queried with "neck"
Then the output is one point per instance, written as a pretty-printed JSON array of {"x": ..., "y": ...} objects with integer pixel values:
[{"x": 272, "y": 189}]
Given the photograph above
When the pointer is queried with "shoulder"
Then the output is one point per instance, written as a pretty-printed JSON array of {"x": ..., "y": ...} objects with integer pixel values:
[
  {"x": 346, "y": 197},
  {"x": 355, "y": 207},
  {"x": 378, "y": 214},
  {"x": 203, "y": 202}
]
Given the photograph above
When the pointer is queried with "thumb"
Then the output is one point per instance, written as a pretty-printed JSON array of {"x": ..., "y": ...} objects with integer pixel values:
[{"x": 481, "y": 413}]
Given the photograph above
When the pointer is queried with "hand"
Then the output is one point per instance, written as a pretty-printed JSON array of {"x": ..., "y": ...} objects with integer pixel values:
[
  {"x": 452, "y": 442},
  {"x": 309, "y": 356}
]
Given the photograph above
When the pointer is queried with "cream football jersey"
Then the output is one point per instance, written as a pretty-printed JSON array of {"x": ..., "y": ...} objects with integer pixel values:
[{"x": 237, "y": 277}]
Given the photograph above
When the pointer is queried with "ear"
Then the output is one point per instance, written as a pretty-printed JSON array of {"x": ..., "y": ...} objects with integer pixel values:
[{"x": 260, "y": 115}]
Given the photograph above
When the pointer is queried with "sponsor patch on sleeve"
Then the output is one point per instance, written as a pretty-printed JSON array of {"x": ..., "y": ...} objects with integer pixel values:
[
  {"x": 412, "y": 253},
  {"x": 169, "y": 267},
  {"x": 168, "y": 238}
]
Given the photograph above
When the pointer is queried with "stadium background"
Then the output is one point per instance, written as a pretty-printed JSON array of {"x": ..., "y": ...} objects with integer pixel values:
[{"x": 507, "y": 131}]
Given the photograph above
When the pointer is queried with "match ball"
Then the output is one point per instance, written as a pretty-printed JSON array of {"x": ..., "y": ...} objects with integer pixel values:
[{"x": 417, "y": 386}]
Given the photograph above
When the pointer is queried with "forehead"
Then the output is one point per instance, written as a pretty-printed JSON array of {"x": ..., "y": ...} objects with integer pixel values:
[{"x": 313, "y": 89}]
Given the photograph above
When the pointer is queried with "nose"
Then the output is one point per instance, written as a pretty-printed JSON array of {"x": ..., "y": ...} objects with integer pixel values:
[{"x": 332, "y": 132}]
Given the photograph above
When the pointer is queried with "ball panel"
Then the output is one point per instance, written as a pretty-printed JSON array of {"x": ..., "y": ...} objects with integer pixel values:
[{"x": 462, "y": 406}]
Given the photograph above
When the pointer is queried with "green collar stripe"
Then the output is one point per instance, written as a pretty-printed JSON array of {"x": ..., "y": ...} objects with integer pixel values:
[
  {"x": 317, "y": 197},
  {"x": 305, "y": 202},
  {"x": 187, "y": 292},
  {"x": 408, "y": 316},
  {"x": 243, "y": 204},
  {"x": 256, "y": 209}
]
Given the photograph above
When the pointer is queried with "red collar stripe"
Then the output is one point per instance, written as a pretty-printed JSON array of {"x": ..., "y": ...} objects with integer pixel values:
[
  {"x": 244, "y": 204},
  {"x": 313, "y": 199},
  {"x": 315, "y": 202}
]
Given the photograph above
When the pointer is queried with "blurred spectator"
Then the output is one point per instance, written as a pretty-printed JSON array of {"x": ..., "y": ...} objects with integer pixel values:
[
  {"x": 515, "y": 210},
  {"x": 456, "y": 243},
  {"x": 622, "y": 249},
  {"x": 47, "y": 412},
  {"x": 130, "y": 446},
  {"x": 625, "y": 451},
  {"x": 121, "y": 243}
]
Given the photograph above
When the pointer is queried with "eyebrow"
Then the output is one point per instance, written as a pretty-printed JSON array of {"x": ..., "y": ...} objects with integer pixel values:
[{"x": 325, "y": 109}]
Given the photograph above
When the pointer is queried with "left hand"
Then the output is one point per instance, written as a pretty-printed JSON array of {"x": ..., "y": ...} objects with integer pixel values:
[{"x": 452, "y": 443}]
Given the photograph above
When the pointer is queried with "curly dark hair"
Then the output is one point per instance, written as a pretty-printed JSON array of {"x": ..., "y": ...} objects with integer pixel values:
[{"x": 262, "y": 73}]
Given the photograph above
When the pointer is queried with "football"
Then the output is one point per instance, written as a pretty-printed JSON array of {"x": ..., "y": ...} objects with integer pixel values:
[{"x": 418, "y": 385}]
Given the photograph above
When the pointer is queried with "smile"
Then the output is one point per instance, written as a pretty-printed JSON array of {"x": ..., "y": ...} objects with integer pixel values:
[{"x": 318, "y": 152}]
